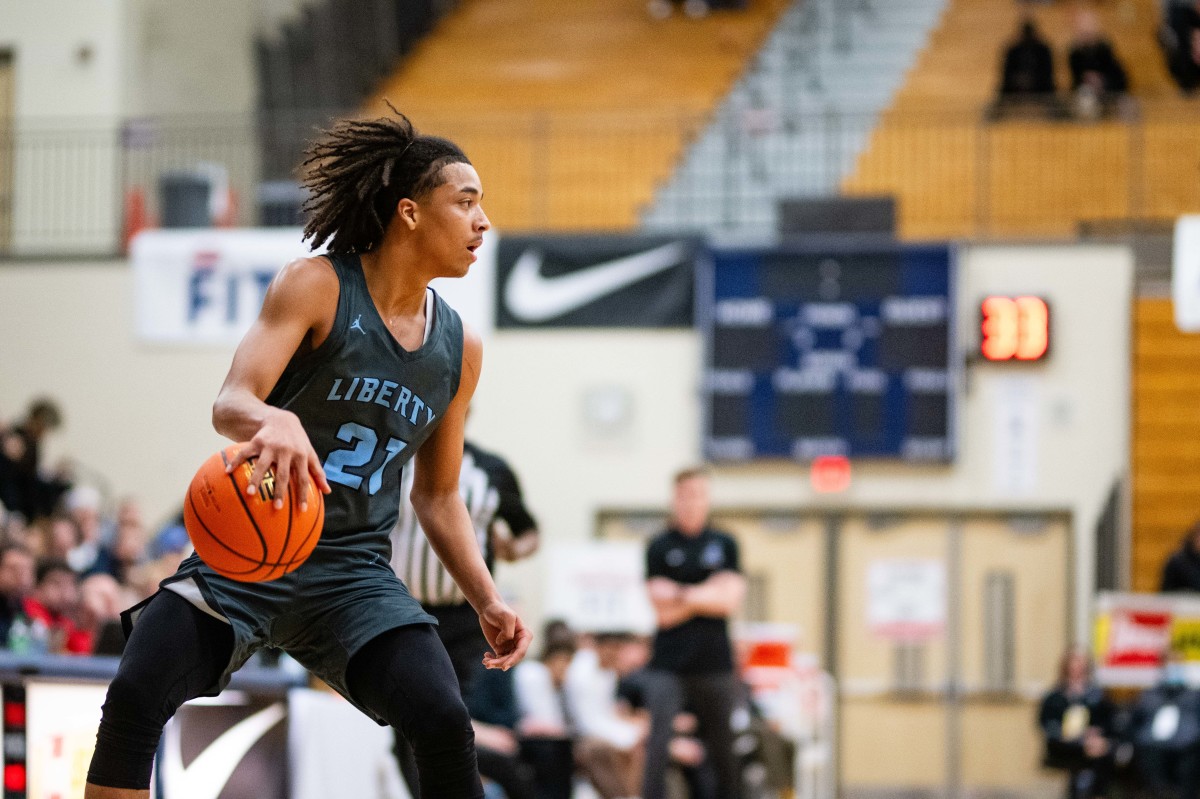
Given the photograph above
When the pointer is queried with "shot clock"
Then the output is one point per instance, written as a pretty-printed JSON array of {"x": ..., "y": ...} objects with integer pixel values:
[{"x": 1014, "y": 328}]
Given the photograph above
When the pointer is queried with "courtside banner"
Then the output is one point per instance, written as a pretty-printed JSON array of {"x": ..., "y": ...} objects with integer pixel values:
[
  {"x": 1132, "y": 631},
  {"x": 595, "y": 281},
  {"x": 205, "y": 287}
]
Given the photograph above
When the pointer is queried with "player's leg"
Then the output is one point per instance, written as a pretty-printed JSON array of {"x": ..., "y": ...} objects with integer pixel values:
[
  {"x": 175, "y": 653},
  {"x": 664, "y": 700},
  {"x": 404, "y": 676},
  {"x": 712, "y": 698}
]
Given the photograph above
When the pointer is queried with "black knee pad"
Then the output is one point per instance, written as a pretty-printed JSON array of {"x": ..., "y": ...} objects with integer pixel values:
[
  {"x": 175, "y": 653},
  {"x": 131, "y": 725}
]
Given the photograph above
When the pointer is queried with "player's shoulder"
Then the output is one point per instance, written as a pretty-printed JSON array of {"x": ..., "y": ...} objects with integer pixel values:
[{"x": 312, "y": 273}]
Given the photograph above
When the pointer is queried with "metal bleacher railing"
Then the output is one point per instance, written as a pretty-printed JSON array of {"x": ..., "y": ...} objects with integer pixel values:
[{"x": 78, "y": 188}]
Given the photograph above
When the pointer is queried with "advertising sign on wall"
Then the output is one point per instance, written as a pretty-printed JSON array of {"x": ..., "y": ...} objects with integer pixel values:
[
  {"x": 206, "y": 286},
  {"x": 1133, "y": 631},
  {"x": 595, "y": 281}
]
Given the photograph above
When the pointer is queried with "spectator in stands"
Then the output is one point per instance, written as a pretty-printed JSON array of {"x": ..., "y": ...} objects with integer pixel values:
[
  {"x": 661, "y": 9},
  {"x": 83, "y": 504},
  {"x": 24, "y": 486},
  {"x": 1179, "y": 37},
  {"x": 492, "y": 702},
  {"x": 128, "y": 549},
  {"x": 54, "y": 603},
  {"x": 16, "y": 581},
  {"x": 101, "y": 600},
  {"x": 1079, "y": 725},
  {"x": 1098, "y": 79},
  {"x": 1164, "y": 728},
  {"x": 546, "y": 725},
  {"x": 58, "y": 537},
  {"x": 1182, "y": 569},
  {"x": 1027, "y": 75},
  {"x": 610, "y": 745}
]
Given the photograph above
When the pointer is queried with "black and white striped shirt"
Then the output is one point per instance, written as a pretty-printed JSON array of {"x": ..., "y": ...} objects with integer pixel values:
[{"x": 490, "y": 491}]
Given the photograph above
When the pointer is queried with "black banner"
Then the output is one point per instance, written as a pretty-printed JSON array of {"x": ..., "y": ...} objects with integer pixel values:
[{"x": 595, "y": 281}]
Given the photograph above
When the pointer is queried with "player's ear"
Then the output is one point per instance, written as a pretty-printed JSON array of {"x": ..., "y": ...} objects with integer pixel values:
[{"x": 406, "y": 209}]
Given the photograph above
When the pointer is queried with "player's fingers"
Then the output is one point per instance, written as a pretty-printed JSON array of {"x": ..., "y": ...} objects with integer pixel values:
[
  {"x": 283, "y": 478},
  {"x": 243, "y": 454},
  {"x": 318, "y": 473},
  {"x": 261, "y": 464},
  {"x": 517, "y": 651}
]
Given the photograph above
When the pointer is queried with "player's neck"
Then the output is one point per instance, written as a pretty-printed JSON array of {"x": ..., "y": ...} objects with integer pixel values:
[{"x": 396, "y": 287}]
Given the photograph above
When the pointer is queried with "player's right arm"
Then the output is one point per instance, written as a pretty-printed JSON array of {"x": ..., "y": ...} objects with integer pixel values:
[{"x": 298, "y": 311}]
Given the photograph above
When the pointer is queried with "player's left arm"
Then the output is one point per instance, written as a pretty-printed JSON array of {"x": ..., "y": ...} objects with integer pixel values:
[{"x": 447, "y": 525}]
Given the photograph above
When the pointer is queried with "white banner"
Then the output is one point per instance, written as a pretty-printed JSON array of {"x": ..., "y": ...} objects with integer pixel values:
[
  {"x": 599, "y": 587},
  {"x": 206, "y": 286},
  {"x": 906, "y": 599},
  {"x": 61, "y": 727},
  {"x": 1185, "y": 274}
]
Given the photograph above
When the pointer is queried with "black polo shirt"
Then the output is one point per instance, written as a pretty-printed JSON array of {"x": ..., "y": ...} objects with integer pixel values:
[{"x": 701, "y": 644}]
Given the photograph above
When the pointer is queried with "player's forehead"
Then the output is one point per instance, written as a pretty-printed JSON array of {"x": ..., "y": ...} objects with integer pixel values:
[{"x": 461, "y": 178}]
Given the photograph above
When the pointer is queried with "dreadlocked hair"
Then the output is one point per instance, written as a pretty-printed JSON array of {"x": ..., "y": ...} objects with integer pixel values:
[{"x": 358, "y": 172}]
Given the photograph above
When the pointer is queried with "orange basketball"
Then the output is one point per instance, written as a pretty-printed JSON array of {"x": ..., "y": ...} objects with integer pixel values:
[{"x": 243, "y": 536}]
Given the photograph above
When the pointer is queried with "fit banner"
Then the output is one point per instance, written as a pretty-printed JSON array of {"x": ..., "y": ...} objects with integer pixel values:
[
  {"x": 595, "y": 281},
  {"x": 205, "y": 287}
]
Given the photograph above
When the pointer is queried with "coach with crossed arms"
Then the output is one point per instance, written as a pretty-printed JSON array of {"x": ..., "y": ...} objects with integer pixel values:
[{"x": 695, "y": 585}]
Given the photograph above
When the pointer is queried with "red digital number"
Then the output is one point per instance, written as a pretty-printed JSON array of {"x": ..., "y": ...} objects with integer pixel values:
[{"x": 1015, "y": 328}]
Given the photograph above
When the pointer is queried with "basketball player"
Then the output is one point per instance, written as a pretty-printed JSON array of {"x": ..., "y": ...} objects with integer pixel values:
[{"x": 352, "y": 368}]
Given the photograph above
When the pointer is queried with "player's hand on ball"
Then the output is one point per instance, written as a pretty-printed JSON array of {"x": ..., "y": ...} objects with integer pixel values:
[
  {"x": 506, "y": 633},
  {"x": 282, "y": 447}
]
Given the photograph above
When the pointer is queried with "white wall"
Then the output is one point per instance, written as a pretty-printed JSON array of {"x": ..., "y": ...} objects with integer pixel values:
[
  {"x": 189, "y": 58},
  {"x": 141, "y": 413},
  {"x": 48, "y": 38}
]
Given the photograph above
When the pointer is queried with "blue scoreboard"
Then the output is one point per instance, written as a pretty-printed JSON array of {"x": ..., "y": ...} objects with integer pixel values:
[{"x": 812, "y": 352}]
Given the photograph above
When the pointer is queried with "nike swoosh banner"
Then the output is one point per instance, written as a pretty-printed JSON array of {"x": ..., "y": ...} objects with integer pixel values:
[{"x": 595, "y": 281}]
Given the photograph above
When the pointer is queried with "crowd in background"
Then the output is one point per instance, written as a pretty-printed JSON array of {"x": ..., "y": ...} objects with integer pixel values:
[
  {"x": 1099, "y": 82},
  {"x": 1148, "y": 746},
  {"x": 70, "y": 562},
  {"x": 578, "y": 713}
]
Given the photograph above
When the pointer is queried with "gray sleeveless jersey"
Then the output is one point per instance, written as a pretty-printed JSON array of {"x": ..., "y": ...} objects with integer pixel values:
[{"x": 367, "y": 404}]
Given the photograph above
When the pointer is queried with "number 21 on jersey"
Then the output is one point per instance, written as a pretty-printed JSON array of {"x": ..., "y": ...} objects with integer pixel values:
[{"x": 359, "y": 457}]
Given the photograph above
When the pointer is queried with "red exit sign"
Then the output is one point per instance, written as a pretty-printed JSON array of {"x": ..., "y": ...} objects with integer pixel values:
[{"x": 1014, "y": 328}]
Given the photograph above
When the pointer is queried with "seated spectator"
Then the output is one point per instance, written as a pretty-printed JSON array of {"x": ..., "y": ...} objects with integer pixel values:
[
  {"x": 545, "y": 728},
  {"x": 16, "y": 581},
  {"x": 101, "y": 600},
  {"x": 57, "y": 537},
  {"x": 1179, "y": 37},
  {"x": 53, "y": 603},
  {"x": 25, "y": 487},
  {"x": 1098, "y": 79},
  {"x": 661, "y": 9},
  {"x": 609, "y": 746},
  {"x": 1027, "y": 74},
  {"x": 1164, "y": 728},
  {"x": 128, "y": 549},
  {"x": 82, "y": 504},
  {"x": 492, "y": 702},
  {"x": 1181, "y": 572},
  {"x": 1078, "y": 723}
]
